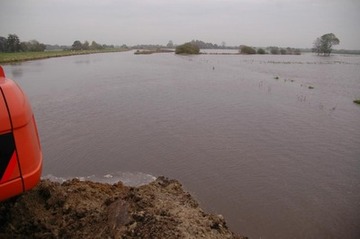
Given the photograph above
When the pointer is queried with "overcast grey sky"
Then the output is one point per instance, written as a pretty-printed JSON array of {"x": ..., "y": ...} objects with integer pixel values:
[{"x": 294, "y": 23}]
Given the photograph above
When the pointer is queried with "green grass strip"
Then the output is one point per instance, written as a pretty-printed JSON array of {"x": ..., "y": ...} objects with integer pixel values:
[{"x": 28, "y": 56}]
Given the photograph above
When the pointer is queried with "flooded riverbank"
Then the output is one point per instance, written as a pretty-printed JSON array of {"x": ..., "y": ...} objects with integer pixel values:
[{"x": 244, "y": 134}]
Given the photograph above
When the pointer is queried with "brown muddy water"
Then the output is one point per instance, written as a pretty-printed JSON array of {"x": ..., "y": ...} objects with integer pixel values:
[{"x": 245, "y": 134}]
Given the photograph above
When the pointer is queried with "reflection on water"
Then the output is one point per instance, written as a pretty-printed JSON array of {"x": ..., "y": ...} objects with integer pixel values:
[
  {"x": 270, "y": 142},
  {"x": 17, "y": 72}
]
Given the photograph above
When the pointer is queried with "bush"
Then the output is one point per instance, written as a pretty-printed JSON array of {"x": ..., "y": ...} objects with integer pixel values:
[
  {"x": 187, "y": 48},
  {"x": 274, "y": 50},
  {"x": 247, "y": 50},
  {"x": 261, "y": 51},
  {"x": 283, "y": 52}
]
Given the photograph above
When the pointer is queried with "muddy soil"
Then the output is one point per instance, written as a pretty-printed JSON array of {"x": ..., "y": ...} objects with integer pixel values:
[{"x": 83, "y": 209}]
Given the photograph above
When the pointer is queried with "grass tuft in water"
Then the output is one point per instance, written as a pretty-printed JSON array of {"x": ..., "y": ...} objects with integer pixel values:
[{"x": 357, "y": 101}]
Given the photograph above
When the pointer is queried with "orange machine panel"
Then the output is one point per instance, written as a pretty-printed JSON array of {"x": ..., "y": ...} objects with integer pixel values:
[{"x": 20, "y": 150}]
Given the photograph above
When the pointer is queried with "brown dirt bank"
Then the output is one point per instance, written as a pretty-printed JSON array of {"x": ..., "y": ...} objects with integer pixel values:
[{"x": 78, "y": 209}]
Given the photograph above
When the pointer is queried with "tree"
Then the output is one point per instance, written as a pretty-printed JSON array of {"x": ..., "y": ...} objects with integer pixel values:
[
  {"x": 317, "y": 46},
  {"x": 297, "y": 52},
  {"x": 86, "y": 45},
  {"x": 274, "y": 50},
  {"x": 283, "y": 51},
  {"x": 187, "y": 48},
  {"x": 95, "y": 46},
  {"x": 76, "y": 46},
  {"x": 13, "y": 43},
  {"x": 205, "y": 45},
  {"x": 170, "y": 44},
  {"x": 247, "y": 50},
  {"x": 24, "y": 46},
  {"x": 32, "y": 45},
  {"x": 324, "y": 44},
  {"x": 108, "y": 46},
  {"x": 2, "y": 44},
  {"x": 260, "y": 51}
]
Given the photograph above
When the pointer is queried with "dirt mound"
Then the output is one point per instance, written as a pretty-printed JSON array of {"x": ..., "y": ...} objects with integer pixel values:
[{"x": 78, "y": 209}]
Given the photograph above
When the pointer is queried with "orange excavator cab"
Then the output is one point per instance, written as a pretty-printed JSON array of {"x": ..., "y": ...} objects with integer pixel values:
[{"x": 20, "y": 150}]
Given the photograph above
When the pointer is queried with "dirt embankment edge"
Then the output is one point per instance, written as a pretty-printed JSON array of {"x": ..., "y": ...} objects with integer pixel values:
[{"x": 83, "y": 209}]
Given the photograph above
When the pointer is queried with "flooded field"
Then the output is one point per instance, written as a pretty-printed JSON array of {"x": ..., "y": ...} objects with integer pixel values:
[{"x": 270, "y": 142}]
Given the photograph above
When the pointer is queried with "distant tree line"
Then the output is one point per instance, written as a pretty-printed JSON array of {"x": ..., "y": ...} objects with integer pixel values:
[
  {"x": 207, "y": 45},
  {"x": 57, "y": 47},
  {"x": 269, "y": 50},
  {"x": 198, "y": 43},
  {"x": 243, "y": 49},
  {"x": 148, "y": 46},
  {"x": 343, "y": 51},
  {"x": 13, "y": 44},
  {"x": 322, "y": 46},
  {"x": 194, "y": 47},
  {"x": 78, "y": 46}
]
